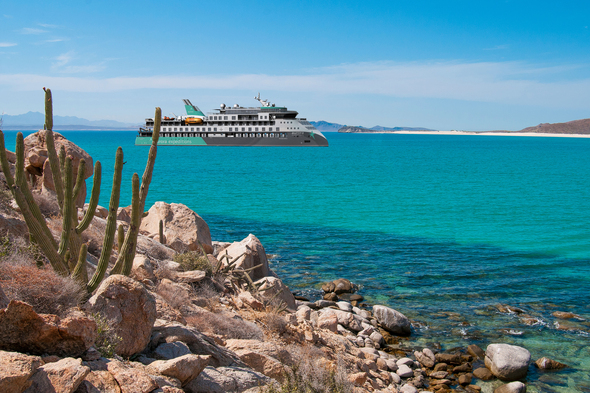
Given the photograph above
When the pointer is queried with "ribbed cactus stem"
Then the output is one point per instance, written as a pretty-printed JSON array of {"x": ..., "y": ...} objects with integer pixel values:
[
  {"x": 161, "y": 232},
  {"x": 109, "y": 237},
  {"x": 79, "y": 178},
  {"x": 67, "y": 209},
  {"x": 4, "y": 162},
  {"x": 54, "y": 164},
  {"x": 48, "y": 110},
  {"x": 80, "y": 274},
  {"x": 127, "y": 251},
  {"x": 62, "y": 160},
  {"x": 93, "y": 203},
  {"x": 146, "y": 179},
  {"x": 120, "y": 236}
]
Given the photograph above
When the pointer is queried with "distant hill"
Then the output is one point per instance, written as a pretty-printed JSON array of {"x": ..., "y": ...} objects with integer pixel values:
[
  {"x": 325, "y": 126},
  {"x": 351, "y": 129},
  {"x": 36, "y": 120},
  {"x": 570, "y": 127}
]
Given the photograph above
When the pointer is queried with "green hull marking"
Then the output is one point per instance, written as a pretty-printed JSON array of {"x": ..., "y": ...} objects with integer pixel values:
[{"x": 176, "y": 141}]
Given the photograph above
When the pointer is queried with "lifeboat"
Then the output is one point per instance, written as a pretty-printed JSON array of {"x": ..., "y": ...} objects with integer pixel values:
[{"x": 193, "y": 120}]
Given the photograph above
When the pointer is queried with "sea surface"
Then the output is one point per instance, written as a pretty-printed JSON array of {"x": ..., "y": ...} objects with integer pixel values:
[{"x": 442, "y": 228}]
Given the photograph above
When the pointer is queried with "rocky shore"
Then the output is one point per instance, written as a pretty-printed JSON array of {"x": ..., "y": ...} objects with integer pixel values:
[{"x": 198, "y": 315}]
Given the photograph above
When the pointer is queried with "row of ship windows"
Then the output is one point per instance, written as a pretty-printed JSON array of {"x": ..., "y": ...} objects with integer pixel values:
[
  {"x": 244, "y": 135},
  {"x": 214, "y": 129},
  {"x": 233, "y": 117}
]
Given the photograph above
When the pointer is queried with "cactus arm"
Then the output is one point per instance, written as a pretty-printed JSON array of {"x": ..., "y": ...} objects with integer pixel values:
[
  {"x": 79, "y": 178},
  {"x": 161, "y": 232},
  {"x": 48, "y": 110},
  {"x": 146, "y": 179},
  {"x": 54, "y": 164},
  {"x": 21, "y": 182},
  {"x": 67, "y": 209},
  {"x": 80, "y": 274},
  {"x": 62, "y": 160},
  {"x": 38, "y": 233},
  {"x": 94, "y": 195},
  {"x": 4, "y": 162},
  {"x": 120, "y": 236},
  {"x": 109, "y": 237},
  {"x": 127, "y": 252}
]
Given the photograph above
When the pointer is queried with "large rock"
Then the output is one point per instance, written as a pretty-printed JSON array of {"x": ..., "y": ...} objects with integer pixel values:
[
  {"x": 347, "y": 319},
  {"x": 507, "y": 362},
  {"x": 183, "y": 228},
  {"x": 131, "y": 379},
  {"x": 274, "y": 289},
  {"x": 226, "y": 379},
  {"x": 16, "y": 368},
  {"x": 142, "y": 268},
  {"x": 23, "y": 330},
  {"x": 184, "y": 368},
  {"x": 197, "y": 342},
  {"x": 129, "y": 308},
  {"x": 247, "y": 254},
  {"x": 99, "y": 381},
  {"x": 391, "y": 320},
  {"x": 512, "y": 387},
  {"x": 63, "y": 376}
]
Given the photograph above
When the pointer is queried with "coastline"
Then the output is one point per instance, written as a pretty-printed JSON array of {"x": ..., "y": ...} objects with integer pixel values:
[{"x": 484, "y": 133}]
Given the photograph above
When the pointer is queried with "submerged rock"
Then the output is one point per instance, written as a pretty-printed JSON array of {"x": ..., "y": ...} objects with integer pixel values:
[{"x": 545, "y": 363}]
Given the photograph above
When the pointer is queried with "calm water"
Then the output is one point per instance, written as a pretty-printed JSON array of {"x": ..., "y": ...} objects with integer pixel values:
[{"x": 441, "y": 228}]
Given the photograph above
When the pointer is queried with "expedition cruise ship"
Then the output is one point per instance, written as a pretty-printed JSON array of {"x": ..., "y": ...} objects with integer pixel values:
[{"x": 264, "y": 125}]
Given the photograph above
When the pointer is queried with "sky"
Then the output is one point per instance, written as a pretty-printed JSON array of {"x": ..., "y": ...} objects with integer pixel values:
[{"x": 464, "y": 65}]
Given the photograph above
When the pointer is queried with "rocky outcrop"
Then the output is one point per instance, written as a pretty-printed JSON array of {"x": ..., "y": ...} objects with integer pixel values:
[
  {"x": 507, "y": 362},
  {"x": 512, "y": 387},
  {"x": 247, "y": 254},
  {"x": 131, "y": 379},
  {"x": 23, "y": 330},
  {"x": 129, "y": 307},
  {"x": 273, "y": 289},
  {"x": 16, "y": 369},
  {"x": 184, "y": 368},
  {"x": 183, "y": 228},
  {"x": 63, "y": 376},
  {"x": 391, "y": 320},
  {"x": 226, "y": 379}
]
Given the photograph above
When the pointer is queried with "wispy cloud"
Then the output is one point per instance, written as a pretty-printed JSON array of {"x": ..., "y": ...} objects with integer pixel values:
[
  {"x": 48, "y": 26},
  {"x": 503, "y": 82},
  {"x": 31, "y": 30},
  {"x": 63, "y": 64},
  {"x": 57, "y": 40},
  {"x": 7, "y": 44}
]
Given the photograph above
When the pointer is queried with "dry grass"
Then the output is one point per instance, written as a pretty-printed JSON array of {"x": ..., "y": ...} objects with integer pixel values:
[
  {"x": 275, "y": 323},
  {"x": 194, "y": 260},
  {"x": 42, "y": 288},
  {"x": 225, "y": 324},
  {"x": 175, "y": 295},
  {"x": 47, "y": 204},
  {"x": 311, "y": 372}
]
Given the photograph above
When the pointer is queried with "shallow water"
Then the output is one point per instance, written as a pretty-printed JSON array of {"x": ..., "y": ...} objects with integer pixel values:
[{"x": 441, "y": 228}]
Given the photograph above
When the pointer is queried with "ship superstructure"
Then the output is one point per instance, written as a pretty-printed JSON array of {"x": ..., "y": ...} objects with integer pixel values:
[{"x": 264, "y": 125}]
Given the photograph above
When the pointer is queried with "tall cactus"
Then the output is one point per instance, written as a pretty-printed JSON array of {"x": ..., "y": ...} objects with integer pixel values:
[{"x": 69, "y": 255}]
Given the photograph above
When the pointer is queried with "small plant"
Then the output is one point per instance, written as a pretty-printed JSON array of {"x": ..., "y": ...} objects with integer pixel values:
[
  {"x": 107, "y": 340},
  {"x": 194, "y": 260},
  {"x": 227, "y": 325}
]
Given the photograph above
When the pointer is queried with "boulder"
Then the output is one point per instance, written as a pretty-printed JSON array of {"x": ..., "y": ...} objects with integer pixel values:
[
  {"x": 183, "y": 228},
  {"x": 131, "y": 379},
  {"x": 184, "y": 368},
  {"x": 129, "y": 308},
  {"x": 512, "y": 387},
  {"x": 16, "y": 370},
  {"x": 476, "y": 351},
  {"x": 23, "y": 330},
  {"x": 427, "y": 359},
  {"x": 99, "y": 381},
  {"x": 142, "y": 268},
  {"x": 247, "y": 254},
  {"x": 404, "y": 371},
  {"x": 507, "y": 362},
  {"x": 248, "y": 299},
  {"x": 63, "y": 376},
  {"x": 226, "y": 379},
  {"x": 328, "y": 321},
  {"x": 273, "y": 288},
  {"x": 391, "y": 320},
  {"x": 545, "y": 363},
  {"x": 348, "y": 320},
  {"x": 483, "y": 373},
  {"x": 262, "y": 363},
  {"x": 166, "y": 351}
]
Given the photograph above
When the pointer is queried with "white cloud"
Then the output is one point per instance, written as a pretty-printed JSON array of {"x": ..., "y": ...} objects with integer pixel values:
[
  {"x": 56, "y": 40},
  {"x": 7, "y": 44},
  {"x": 48, "y": 25},
  {"x": 31, "y": 30},
  {"x": 501, "y": 82}
]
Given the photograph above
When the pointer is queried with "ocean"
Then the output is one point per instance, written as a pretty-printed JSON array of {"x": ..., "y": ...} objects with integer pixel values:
[{"x": 442, "y": 228}]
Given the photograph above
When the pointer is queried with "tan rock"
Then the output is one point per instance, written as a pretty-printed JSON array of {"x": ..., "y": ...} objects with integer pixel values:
[
  {"x": 23, "y": 330},
  {"x": 131, "y": 379},
  {"x": 273, "y": 288},
  {"x": 328, "y": 321},
  {"x": 129, "y": 307},
  {"x": 184, "y": 368},
  {"x": 248, "y": 299},
  {"x": 61, "y": 377},
  {"x": 262, "y": 363},
  {"x": 245, "y": 255},
  {"x": 183, "y": 228},
  {"x": 99, "y": 381},
  {"x": 545, "y": 363},
  {"x": 267, "y": 348},
  {"x": 16, "y": 368},
  {"x": 358, "y": 379},
  {"x": 142, "y": 268}
]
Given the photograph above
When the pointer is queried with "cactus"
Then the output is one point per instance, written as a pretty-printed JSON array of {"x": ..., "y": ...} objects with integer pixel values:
[
  {"x": 69, "y": 255},
  {"x": 120, "y": 236},
  {"x": 161, "y": 232}
]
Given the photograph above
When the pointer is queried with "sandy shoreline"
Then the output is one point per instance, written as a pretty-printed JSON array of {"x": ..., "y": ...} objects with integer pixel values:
[{"x": 485, "y": 133}]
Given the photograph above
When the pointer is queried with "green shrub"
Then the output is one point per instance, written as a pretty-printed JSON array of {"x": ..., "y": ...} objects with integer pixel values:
[
  {"x": 107, "y": 341},
  {"x": 193, "y": 260}
]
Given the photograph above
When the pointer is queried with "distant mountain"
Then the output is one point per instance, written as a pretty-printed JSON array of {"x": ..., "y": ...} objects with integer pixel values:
[
  {"x": 36, "y": 120},
  {"x": 352, "y": 129},
  {"x": 570, "y": 127},
  {"x": 324, "y": 126}
]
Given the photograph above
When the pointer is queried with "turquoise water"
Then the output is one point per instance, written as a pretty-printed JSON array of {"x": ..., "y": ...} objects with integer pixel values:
[{"x": 441, "y": 228}]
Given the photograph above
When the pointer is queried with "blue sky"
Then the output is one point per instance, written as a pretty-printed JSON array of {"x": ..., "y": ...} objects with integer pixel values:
[{"x": 445, "y": 65}]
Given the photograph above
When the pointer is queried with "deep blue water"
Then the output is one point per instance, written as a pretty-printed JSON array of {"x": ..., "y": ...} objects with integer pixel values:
[{"x": 439, "y": 227}]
